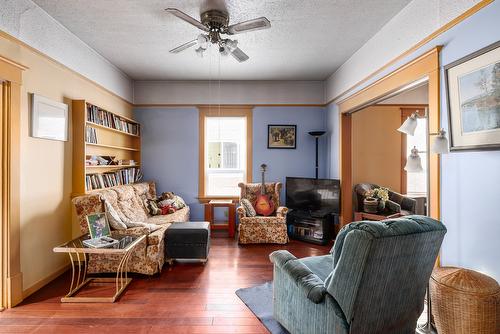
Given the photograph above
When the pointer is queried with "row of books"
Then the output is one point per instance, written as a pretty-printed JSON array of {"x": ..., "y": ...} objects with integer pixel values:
[
  {"x": 111, "y": 179},
  {"x": 110, "y": 120},
  {"x": 90, "y": 135}
]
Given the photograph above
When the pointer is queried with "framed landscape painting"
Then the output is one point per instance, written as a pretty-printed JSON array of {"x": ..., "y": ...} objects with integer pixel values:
[
  {"x": 282, "y": 136},
  {"x": 473, "y": 85}
]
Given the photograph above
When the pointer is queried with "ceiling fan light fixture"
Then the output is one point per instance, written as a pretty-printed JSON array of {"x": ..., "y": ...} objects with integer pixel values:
[
  {"x": 199, "y": 51},
  {"x": 232, "y": 44},
  {"x": 214, "y": 22},
  {"x": 202, "y": 41}
]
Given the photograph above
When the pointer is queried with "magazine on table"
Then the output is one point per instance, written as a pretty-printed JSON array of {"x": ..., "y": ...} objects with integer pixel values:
[{"x": 100, "y": 242}]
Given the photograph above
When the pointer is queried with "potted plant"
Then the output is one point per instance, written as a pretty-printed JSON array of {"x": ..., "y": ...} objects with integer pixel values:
[
  {"x": 380, "y": 196},
  {"x": 370, "y": 204}
]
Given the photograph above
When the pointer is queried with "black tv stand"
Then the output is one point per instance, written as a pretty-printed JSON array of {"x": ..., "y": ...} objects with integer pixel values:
[{"x": 314, "y": 226}]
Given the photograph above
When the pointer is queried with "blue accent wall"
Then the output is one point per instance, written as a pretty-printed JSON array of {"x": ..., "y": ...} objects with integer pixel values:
[
  {"x": 298, "y": 162},
  {"x": 170, "y": 151},
  {"x": 170, "y": 147},
  {"x": 470, "y": 181}
]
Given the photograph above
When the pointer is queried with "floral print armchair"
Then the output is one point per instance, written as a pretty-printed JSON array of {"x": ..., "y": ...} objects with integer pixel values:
[{"x": 260, "y": 229}]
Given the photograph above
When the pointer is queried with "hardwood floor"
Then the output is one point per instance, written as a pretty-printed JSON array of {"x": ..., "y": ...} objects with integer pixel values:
[{"x": 185, "y": 298}]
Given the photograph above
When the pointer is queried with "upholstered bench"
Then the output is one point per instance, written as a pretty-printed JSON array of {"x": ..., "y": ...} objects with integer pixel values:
[{"x": 187, "y": 241}]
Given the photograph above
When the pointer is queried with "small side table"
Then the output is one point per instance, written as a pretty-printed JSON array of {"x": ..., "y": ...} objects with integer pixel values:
[
  {"x": 374, "y": 216},
  {"x": 228, "y": 225},
  {"x": 78, "y": 254}
]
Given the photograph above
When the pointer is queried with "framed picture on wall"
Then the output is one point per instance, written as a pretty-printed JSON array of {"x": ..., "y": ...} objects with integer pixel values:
[
  {"x": 473, "y": 92},
  {"x": 49, "y": 119},
  {"x": 282, "y": 136}
]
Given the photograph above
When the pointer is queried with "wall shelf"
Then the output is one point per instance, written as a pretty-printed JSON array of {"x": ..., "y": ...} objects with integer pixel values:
[
  {"x": 112, "y": 166},
  {"x": 107, "y": 128},
  {"x": 114, "y": 147},
  {"x": 110, "y": 142}
]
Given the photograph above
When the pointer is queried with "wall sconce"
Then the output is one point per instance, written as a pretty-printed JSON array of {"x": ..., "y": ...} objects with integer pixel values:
[
  {"x": 440, "y": 144},
  {"x": 413, "y": 162},
  {"x": 409, "y": 126}
]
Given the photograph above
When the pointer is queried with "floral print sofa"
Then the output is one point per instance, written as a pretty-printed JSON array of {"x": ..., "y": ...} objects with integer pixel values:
[{"x": 128, "y": 201}]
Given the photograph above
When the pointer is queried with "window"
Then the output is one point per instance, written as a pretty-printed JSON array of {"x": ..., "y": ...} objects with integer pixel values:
[
  {"x": 225, "y": 151},
  {"x": 416, "y": 183}
]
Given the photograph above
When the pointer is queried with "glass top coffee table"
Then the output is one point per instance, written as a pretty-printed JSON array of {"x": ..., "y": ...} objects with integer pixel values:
[{"x": 78, "y": 254}]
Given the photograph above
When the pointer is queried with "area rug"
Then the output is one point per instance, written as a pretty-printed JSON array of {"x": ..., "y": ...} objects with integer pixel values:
[{"x": 259, "y": 300}]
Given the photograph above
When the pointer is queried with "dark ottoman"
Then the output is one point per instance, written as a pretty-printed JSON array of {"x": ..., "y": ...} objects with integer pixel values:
[{"x": 189, "y": 240}]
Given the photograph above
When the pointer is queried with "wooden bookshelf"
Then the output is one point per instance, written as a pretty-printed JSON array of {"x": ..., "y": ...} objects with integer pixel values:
[{"x": 111, "y": 141}]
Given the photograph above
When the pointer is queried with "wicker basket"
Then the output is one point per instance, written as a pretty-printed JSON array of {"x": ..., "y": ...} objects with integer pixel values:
[{"x": 464, "y": 301}]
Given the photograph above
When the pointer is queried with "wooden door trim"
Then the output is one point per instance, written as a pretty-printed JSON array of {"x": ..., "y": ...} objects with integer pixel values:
[
  {"x": 424, "y": 66},
  {"x": 10, "y": 268},
  {"x": 227, "y": 111}
]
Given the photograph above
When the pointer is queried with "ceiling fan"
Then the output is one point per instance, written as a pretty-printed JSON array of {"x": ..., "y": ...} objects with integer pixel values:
[{"x": 214, "y": 23}]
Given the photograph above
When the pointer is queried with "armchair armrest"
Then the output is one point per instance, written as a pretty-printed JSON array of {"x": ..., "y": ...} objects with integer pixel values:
[
  {"x": 133, "y": 231},
  {"x": 241, "y": 212},
  {"x": 281, "y": 212},
  {"x": 308, "y": 282},
  {"x": 406, "y": 203}
]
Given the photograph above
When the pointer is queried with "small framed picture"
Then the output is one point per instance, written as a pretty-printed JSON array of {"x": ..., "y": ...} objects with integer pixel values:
[
  {"x": 282, "y": 136},
  {"x": 98, "y": 225},
  {"x": 473, "y": 86},
  {"x": 49, "y": 119}
]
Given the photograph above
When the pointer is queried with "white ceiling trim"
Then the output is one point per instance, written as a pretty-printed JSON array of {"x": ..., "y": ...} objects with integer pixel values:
[{"x": 230, "y": 92}]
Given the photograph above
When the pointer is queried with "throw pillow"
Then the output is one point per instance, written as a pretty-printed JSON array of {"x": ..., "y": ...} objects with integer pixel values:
[
  {"x": 152, "y": 207},
  {"x": 175, "y": 202},
  {"x": 113, "y": 217},
  {"x": 245, "y": 203}
]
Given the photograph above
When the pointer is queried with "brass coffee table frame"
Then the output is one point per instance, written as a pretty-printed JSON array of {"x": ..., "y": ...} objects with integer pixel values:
[{"x": 78, "y": 257}]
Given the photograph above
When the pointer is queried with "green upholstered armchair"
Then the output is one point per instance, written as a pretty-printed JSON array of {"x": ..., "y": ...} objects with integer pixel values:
[{"x": 374, "y": 280}]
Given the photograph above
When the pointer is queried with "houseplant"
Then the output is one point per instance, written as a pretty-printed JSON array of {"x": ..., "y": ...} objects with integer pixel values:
[{"x": 380, "y": 195}]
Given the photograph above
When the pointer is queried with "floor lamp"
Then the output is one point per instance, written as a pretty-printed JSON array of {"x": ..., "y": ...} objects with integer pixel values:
[{"x": 317, "y": 134}]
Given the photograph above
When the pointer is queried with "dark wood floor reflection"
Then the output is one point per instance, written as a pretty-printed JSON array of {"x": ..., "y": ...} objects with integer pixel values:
[{"x": 187, "y": 298}]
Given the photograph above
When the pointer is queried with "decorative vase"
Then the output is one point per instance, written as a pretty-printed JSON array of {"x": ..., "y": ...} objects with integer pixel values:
[
  {"x": 370, "y": 205},
  {"x": 381, "y": 205}
]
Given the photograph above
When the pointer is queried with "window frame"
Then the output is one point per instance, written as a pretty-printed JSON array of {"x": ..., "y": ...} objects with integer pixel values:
[
  {"x": 405, "y": 113},
  {"x": 224, "y": 111}
]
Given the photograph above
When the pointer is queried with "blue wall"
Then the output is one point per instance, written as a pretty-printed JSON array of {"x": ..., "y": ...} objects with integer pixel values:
[
  {"x": 298, "y": 162},
  {"x": 469, "y": 180},
  {"x": 170, "y": 147},
  {"x": 170, "y": 151}
]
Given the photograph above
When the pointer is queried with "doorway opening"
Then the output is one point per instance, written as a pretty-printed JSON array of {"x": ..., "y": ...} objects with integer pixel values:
[{"x": 422, "y": 71}]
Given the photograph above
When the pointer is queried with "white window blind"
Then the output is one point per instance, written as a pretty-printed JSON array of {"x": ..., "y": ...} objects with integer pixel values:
[{"x": 225, "y": 155}]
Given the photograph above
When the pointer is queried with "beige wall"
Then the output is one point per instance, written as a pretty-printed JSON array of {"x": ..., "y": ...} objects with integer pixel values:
[
  {"x": 46, "y": 164},
  {"x": 377, "y": 146}
]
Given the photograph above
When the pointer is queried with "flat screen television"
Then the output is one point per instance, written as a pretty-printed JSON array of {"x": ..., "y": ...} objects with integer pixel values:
[{"x": 313, "y": 194}]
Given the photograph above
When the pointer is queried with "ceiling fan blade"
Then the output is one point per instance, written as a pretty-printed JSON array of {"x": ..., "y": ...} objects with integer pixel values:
[
  {"x": 239, "y": 55},
  {"x": 184, "y": 46},
  {"x": 250, "y": 25},
  {"x": 187, "y": 18}
]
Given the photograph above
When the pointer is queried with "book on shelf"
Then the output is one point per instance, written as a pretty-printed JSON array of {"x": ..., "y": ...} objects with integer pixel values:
[
  {"x": 105, "y": 118},
  {"x": 90, "y": 135},
  {"x": 111, "y": 179}
]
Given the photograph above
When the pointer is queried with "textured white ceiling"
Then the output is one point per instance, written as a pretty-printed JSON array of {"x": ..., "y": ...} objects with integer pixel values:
[{"x": 308, "y": 40}]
